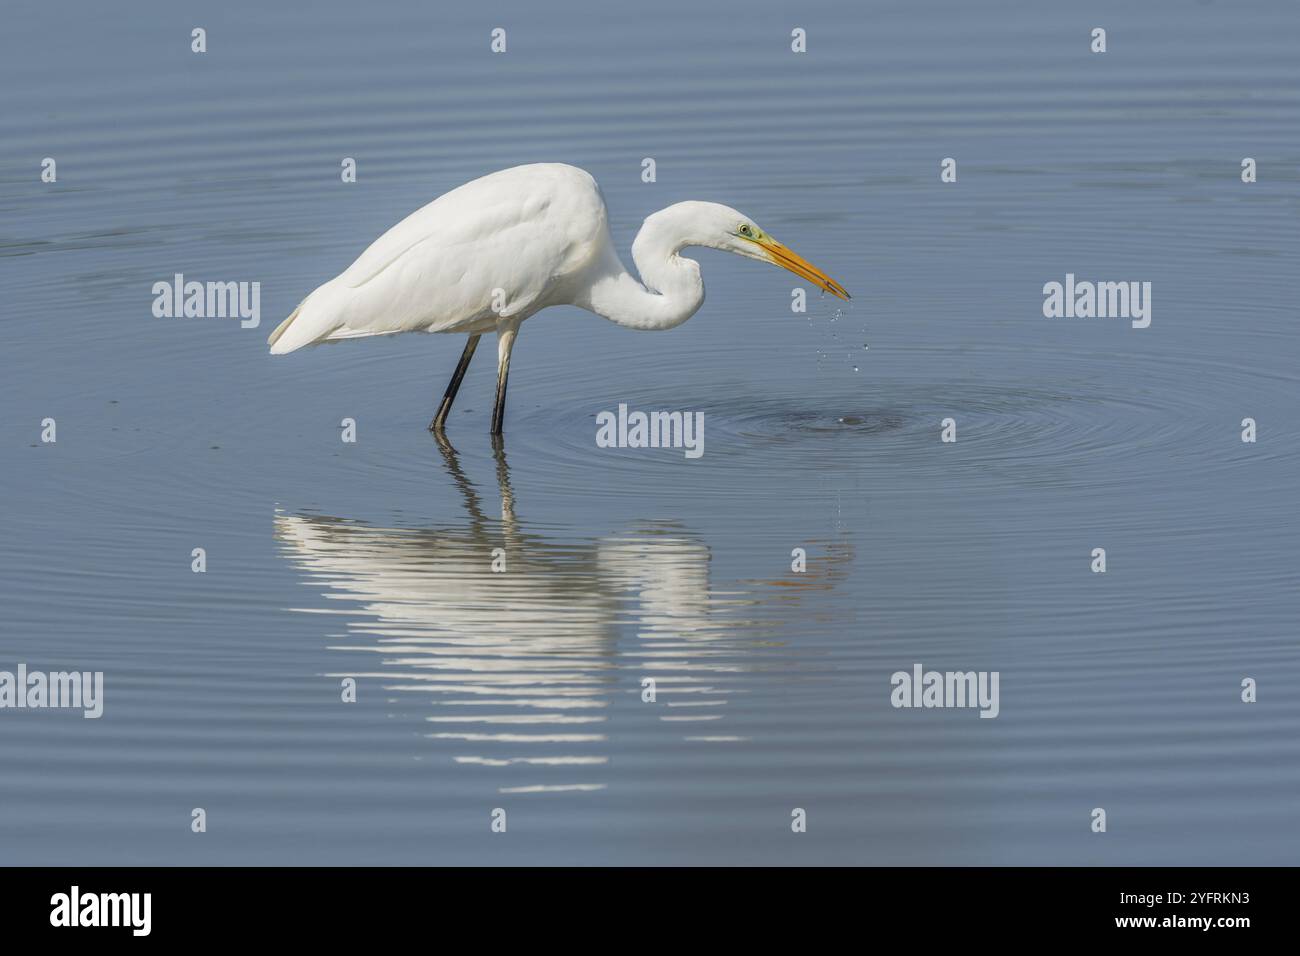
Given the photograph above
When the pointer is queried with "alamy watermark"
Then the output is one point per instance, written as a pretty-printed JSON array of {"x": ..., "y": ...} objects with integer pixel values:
[
  {"x": 75, "y": 908},
  {"x": 1103, "y": 300},
  {"x": 81, "y": 690},
  {"x": 922, "y": 688},
  {"x": 179, "y": 299},
  {"x": 638, "y": 429}
]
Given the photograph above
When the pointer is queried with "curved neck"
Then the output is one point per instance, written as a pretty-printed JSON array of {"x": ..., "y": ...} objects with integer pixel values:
[{"x": 670, "y": 290}]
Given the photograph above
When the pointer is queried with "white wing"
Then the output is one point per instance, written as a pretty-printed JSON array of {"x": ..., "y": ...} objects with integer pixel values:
[{"x": 523, "y": 230}]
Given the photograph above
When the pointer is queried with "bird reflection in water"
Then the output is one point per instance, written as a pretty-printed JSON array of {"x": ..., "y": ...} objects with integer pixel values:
[{"x": 532, "y": 666}]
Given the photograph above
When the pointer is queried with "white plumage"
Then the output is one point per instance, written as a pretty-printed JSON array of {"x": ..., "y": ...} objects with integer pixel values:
[
  {"x": 493, "y": 252},
  {"x": 522, "y": 230}
]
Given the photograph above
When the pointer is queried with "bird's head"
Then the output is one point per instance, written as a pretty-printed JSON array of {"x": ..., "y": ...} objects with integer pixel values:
[{"x": 721, "y": 227}]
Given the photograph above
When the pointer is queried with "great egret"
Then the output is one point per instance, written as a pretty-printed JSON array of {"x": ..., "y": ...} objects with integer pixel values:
[{"x": 493, "y": 252}]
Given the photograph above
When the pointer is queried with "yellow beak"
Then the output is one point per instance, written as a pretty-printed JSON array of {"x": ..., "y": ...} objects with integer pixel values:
[{"x": 789, "y": 259}]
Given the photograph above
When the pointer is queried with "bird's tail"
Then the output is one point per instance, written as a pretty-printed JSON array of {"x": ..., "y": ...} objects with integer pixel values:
[
  {"x": 317, "y": 317},
  {"x": 283, "y": 327}
]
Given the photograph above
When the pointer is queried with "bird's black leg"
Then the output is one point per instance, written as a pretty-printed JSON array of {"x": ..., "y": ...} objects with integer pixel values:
[
  {"x": 453, "y": 386},
  {"x": 505, "y": 345},
  {"x": 499, "y": 412}
]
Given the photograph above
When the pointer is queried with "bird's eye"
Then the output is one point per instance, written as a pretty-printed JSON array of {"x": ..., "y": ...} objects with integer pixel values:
[{"x": 746, "y": 231}]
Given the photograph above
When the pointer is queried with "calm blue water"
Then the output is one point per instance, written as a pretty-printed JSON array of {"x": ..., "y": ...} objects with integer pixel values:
[{"x": 522, "y": 691}]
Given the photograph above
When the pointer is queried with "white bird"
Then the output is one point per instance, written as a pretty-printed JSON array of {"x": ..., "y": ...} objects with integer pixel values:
[{"x": 493, "y": 252}]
